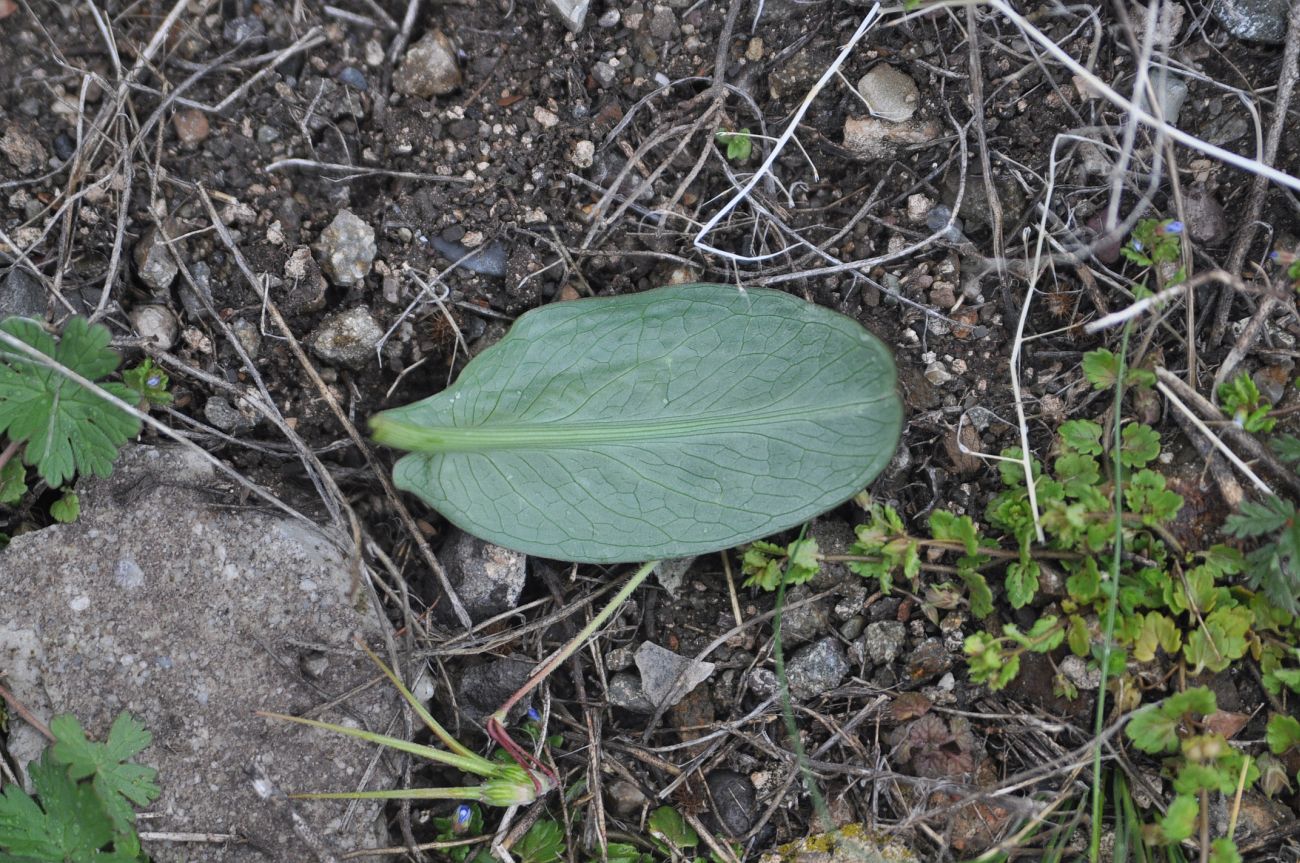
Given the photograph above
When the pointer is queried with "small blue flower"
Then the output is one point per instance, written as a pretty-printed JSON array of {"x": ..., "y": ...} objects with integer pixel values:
[
  {"x": 462, "y": 818},
  {"x": 1137, "y": 245},
  {"x": 153, "y": 380},
  {"x": 1172, "y": 227},
  {"x": 534, "y": 715}
]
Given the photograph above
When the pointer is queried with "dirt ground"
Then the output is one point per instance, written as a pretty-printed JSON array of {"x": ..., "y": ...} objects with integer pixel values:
[{"x": 512, "y": 163}]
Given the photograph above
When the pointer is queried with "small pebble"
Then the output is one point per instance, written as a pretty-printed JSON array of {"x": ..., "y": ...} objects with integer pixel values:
[
  {"x": 156, "y": 324},
  {"x": 64, "y": 146},
  {"x": 609, "y": 20},
  {"x": 154, "y": 262},
  {"x": 354, "y": 78},
  {"x": 237, "y": 30},
  {"x": 890, "y": 93},
  {"x": 191, "y": 125},
  {"x": 347, "y": 339},
  {"x": 347, "y": 249},
  {"x": 583, "y": 154},
  {"x": 603, "y": 74},
  {"x": 429, "y": 68},
  {"x": 546, "y": 119}
]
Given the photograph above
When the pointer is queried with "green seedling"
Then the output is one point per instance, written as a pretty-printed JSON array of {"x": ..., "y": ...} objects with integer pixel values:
[
  {"x": 505, "y": 784},
  {"x": 1198, "y": 760},
  {"x": 85, "y": 798},
  {"x": 675, "y": 422},
  {"x": 66, "y": 509},
  {"x": 59, "y": 425},
  {"x": 1154, "y": 242},
  {"x": 1240, "y": 398},
  {"x": 739, "y": 145},
  {"x": 1274, "y": 566}
]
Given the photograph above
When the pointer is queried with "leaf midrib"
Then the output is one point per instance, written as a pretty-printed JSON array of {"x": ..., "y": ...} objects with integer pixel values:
[{"x": 484, "y": 438}]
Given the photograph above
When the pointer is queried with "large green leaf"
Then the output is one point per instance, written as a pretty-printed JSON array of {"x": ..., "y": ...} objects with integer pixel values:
[{"x": 673, "y": 422}]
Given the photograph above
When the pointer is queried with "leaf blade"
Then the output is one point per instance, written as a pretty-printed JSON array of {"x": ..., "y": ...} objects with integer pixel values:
[{"x": 662, "y": 424}]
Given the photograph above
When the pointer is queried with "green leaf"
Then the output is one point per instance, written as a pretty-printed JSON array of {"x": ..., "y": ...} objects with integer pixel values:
[
  {"x": 1157, "y": 631},
  {"x": 623, "y": 852},
  {"x": 1179, "y": 822},
  {"x": 981, "y": 597},
  {"x": 543, "y": 843},
  {"x": 1151, "y": 730},
  {"x": 1081, "y": 436},
  {"x": 117, "y": 782},
  {"x": 149, "y": 383},
  {"x": 668, "y": 423},
  {"x": 667, "y": 825},
  {"x": 1224, "y": 850},
  {"x": 13, "y": 481},
  {"x": 1254, "y": 519},
  {"x": 68, "y": 824},
  {"x": 1101, "y": 368},
  {"x": 1078, "y": 637},
  {"x": 1021, "y": 583},
  {"x": 66, "y": 509},
  {"x": 739, "y": 144},
  {"x": 1283, "y": 733},
  {"x": 1287, "y": 447},
  {"x": 1140, "y": 444},
  {"x": 951, "y": 528},
  {"x": 66, "y": 428}
]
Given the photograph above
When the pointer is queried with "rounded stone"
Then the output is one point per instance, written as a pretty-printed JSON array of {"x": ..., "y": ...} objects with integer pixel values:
[
  {"x": 156, "y": 324},
  {"x": 429, "y": 68},
  {"x": 890, "y": 94},
  {"x": 347, "y": 248}
]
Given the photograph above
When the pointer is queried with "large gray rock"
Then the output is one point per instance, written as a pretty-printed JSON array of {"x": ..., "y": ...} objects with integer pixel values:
[
  {"x": 167, "y": 601},
  {"x": 1257, "y": 20}
]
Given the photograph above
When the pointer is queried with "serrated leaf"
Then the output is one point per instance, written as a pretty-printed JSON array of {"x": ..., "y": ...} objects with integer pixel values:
[
  {"x": 1081, "y": 436},
  {"x": 1101, "y": 368},
  {"x": 669, "y": 423},
  {"x": 1254, "y": 519},
  {"x": 1224, "y": 850},
  {"x": 117, "y": 782},
  {"x": 1282, "y": 733},
  {"x": 981, "y": 596},
  {"x": 1286, "y": 447},
  {"x": 66, "y": 509},
  {"x": 1179, "y": 822},
  {"x": 68, "y": 824},
  {"x": 1139, "y": 445},
  {"x": 66, "y": 429},
  {"x": 1021, "y": 583},
  {"x": 1152, "y": 731}
]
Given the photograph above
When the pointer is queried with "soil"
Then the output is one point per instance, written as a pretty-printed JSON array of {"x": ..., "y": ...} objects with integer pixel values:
[{"x": 585, "y": 164}]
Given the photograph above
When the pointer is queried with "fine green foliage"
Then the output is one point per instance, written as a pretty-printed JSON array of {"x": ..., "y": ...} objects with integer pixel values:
[
  {"x": 1282, "y": 734},
  {"x": 84, "y": 795},
  {"x": 1241, "y": 399},
  {"x": 674, "y": 422},
  {"x": 1272, "y": 567},
  {"x": 149, "y": 383},
  {"x": 764, "y": 563},
  {"x": 1154, "y": 241},
  {"x": 739, "y": 145},
  {"x": 66, "y": 509},
  {"x": 65, "y": 428},
  {"x": 1199, "y": 762}
]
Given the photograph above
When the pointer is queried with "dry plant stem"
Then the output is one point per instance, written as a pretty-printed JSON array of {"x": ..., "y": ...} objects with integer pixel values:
[
  {"x": 981, "y": 136},
  {"x": 1259, "y": 185},
  {"x": 1240, "y": 437},
  {"x": 359, "y": 170},
  {"x": 403, "y": 513},
  {"x": 1247, "y": 339},
  {"x": 21, "y": 709},
  {"x": 1213, "y": 438},
  {"x": 496, "y": 722},
  {"x": 9, "y": 451},
  {"x": 1229, "y": 489}
]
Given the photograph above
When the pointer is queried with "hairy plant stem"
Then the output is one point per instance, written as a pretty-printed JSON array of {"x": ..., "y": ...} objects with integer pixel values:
[
  {"x": 10, "y": 451},
  {"x": 1112, "y": 591},
  {"x": 496, "y": 722}
]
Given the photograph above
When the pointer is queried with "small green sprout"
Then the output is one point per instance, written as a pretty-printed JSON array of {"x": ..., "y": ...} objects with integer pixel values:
[
  {"x": 506, "y": 784},
  {"x": 1154, "y": 241},
  {"x": 150, "y": 382},
  {"x": 739, "y": 145},
  {"x": 66, "y": 509},
  {"x": 1241, "y": 398}
]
